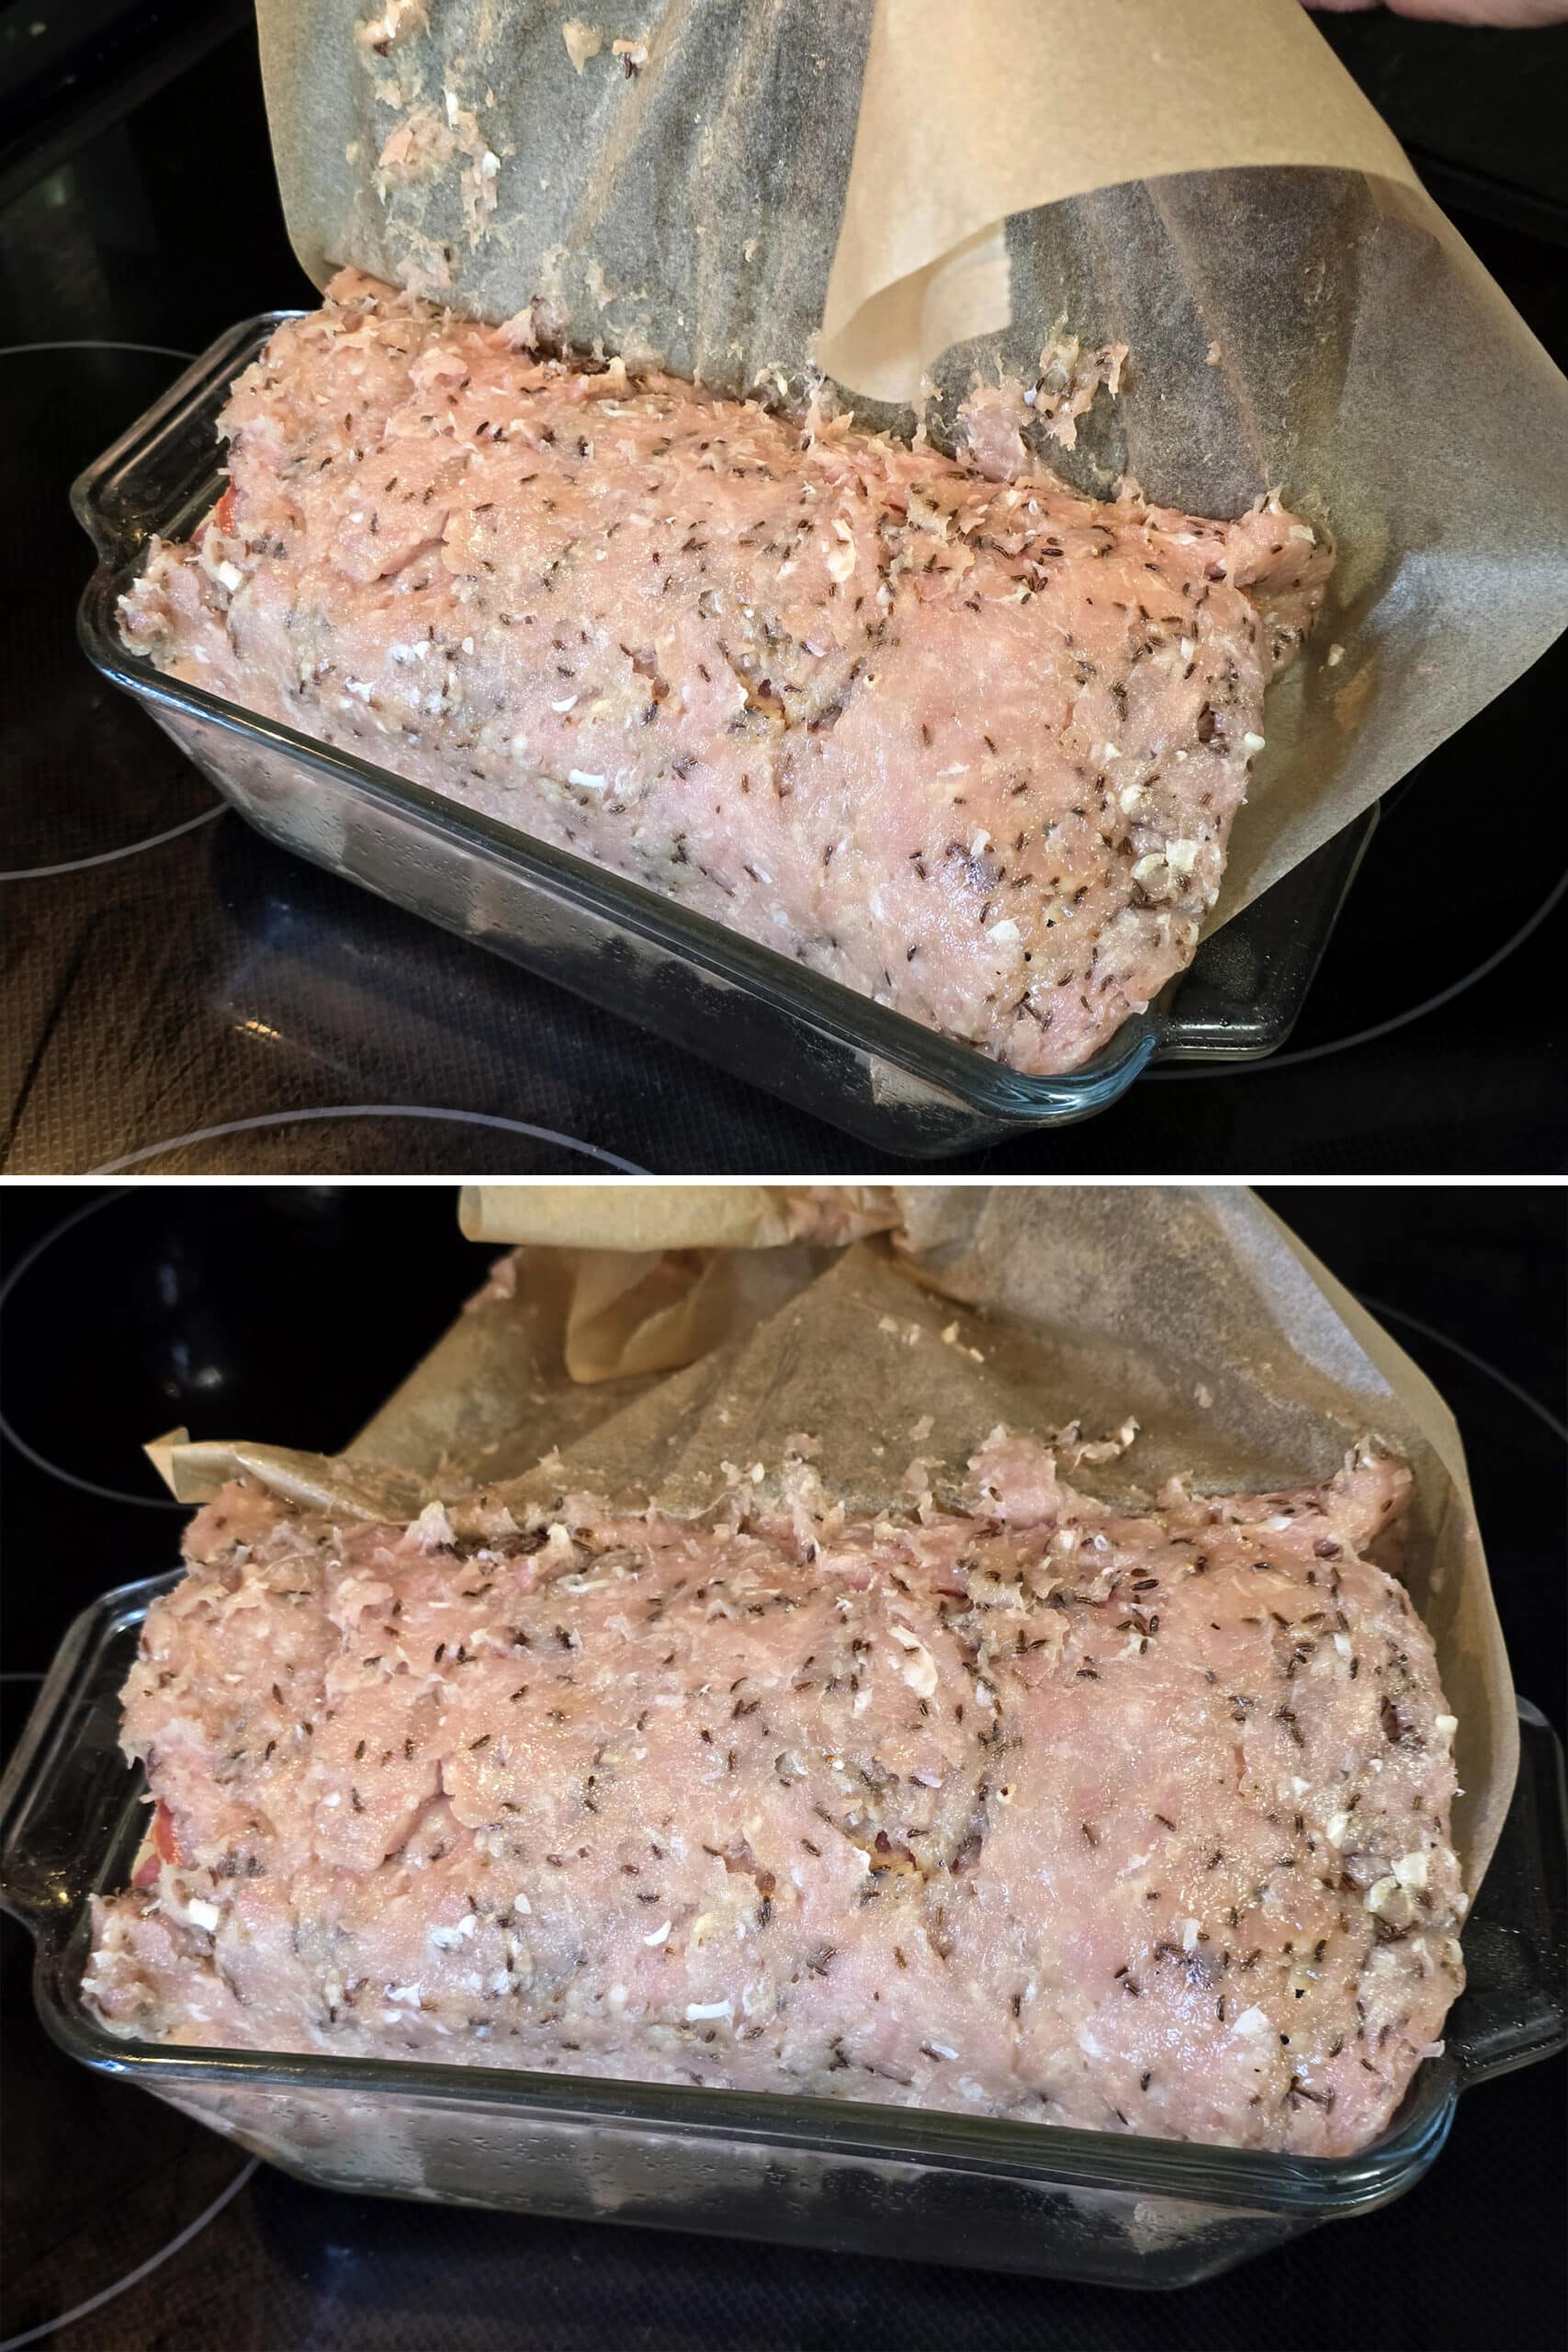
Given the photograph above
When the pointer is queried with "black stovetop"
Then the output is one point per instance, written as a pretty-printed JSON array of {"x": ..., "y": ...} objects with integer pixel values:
[
  {"x": 128, "y": 1313},
  {"x": 169, "y": 975}
]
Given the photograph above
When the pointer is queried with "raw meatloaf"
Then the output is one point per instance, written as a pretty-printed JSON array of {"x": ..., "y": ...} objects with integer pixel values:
[
  {"x": 972, "y": 747},
  {"x": 1021, "y": 1808}
]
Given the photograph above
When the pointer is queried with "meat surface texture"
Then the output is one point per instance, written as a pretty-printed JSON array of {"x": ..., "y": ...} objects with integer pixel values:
[
  {"x": 971, "y": 747},
  {"x": 1024, "y": 1807}
]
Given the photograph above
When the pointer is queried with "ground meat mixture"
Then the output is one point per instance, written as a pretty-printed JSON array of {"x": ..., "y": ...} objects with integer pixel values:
[
  {"x": 971, "y": 747},
  {"x": 1008, "y": 1802}
]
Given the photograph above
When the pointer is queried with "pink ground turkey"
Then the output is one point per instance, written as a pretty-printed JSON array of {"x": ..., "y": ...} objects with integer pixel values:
[
  {"x": 972, "y": 747},
  {"x": 1027, "y": 1807}
]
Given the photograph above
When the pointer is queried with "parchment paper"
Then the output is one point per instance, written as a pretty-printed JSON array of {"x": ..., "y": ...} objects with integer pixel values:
[
  {"x": 675, "y": 1216},
  {"x": 1192, "y": 1309},
  {"x": 916, "y": 187}
]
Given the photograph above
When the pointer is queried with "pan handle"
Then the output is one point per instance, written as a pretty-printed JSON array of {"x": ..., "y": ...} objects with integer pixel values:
[
  {"x": 68, "y": 1774},
  {"x": 1515, "y": 2009},
  {"x": 168, "y": 452}
]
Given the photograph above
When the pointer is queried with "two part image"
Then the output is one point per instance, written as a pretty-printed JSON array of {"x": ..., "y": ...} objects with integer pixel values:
[{"x": 739, "y": 656}]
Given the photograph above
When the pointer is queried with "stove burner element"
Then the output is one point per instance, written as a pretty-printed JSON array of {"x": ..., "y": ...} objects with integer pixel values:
[
  {"x": 1385, "y": 1313},
  {"x": 107, "y": 857},
  {"x": 134, "y": 2278},
  {"x": 93, "y": 343},
  {"x": 368, "y": 1110},
  {"x": 11, "y": 1437}
]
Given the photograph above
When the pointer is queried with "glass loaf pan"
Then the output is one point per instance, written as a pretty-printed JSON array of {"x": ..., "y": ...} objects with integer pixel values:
[
  {"x": 1032, "y": 2198},
  {"x": 741, "y": 1005}
]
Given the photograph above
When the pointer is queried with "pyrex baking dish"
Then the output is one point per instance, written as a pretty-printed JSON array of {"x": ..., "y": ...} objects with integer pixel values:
[
  {"x": 1029, "y": 2198},
  {"x": 742, "y": 1005}
]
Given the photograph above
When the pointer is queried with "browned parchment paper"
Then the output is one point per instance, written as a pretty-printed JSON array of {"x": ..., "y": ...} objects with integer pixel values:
[
  {"x": 910, "y": 187},
  {"x": 1192, "y": 1309}
]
